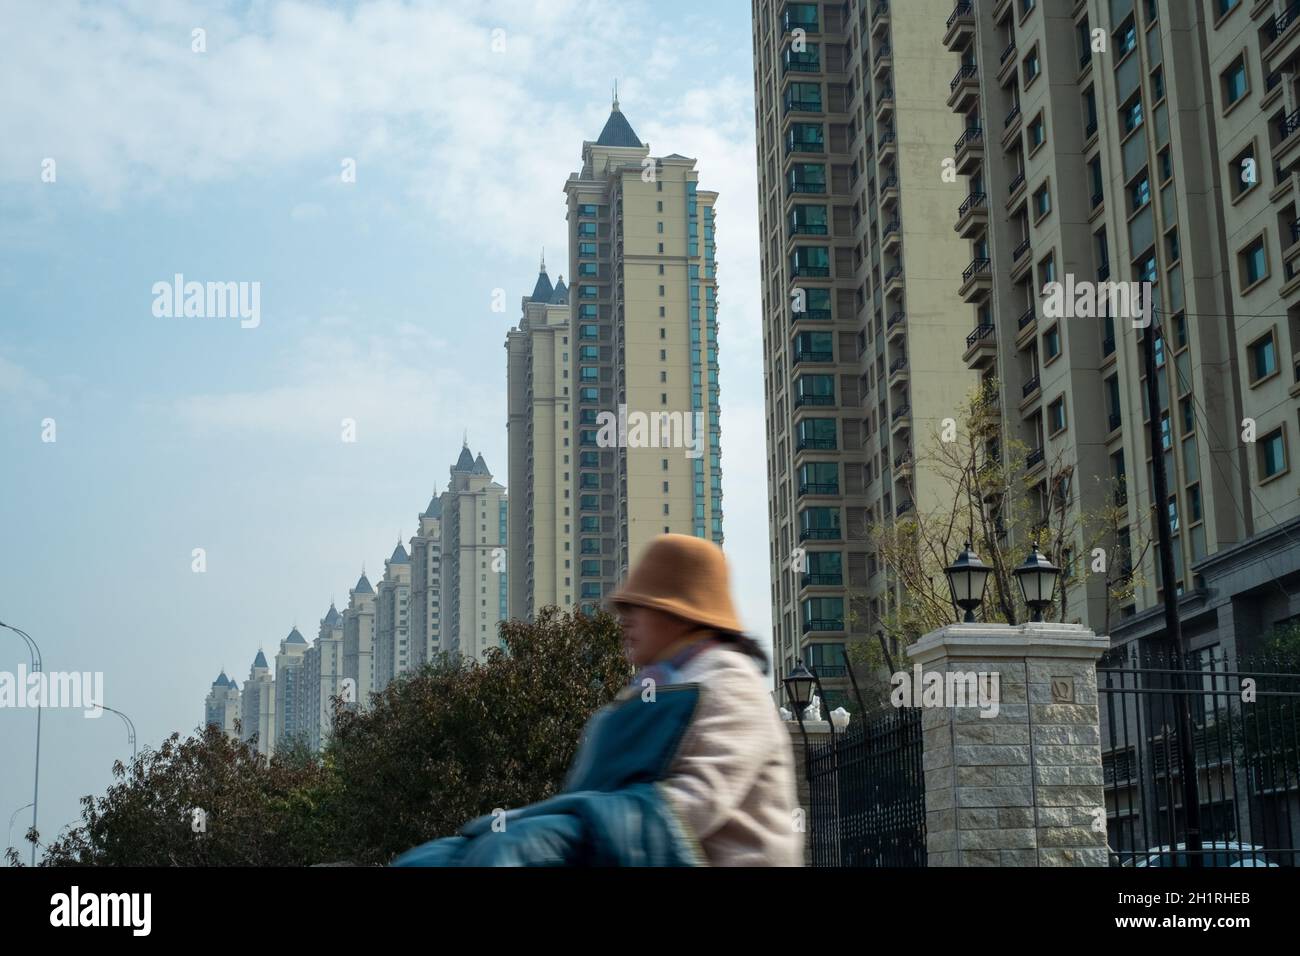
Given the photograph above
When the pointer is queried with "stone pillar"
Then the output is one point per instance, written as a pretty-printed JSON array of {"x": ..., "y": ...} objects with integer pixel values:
[
  {"x": 818, "y": 733},
  {"x": 1022, "y": 787}
]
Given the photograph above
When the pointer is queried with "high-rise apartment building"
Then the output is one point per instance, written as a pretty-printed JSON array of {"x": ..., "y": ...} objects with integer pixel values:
[
  {"x": 257, "y": 706},
  {"x": 542, "y": 459},
  {"x": 221, "y": 707},
  {"x": 321, "y": 680},
  {"x": 620, "y": 405},
  {"x": 474, "y": 578},
  {"x": 1131, "y": 141},
  {"x": 288, "y": 689},
  {"x": 392, "y": 626},
  {"x": 426, "y": 585},
  {"x": 862, "y": 325},
  {"x": 359, "y": 640}
]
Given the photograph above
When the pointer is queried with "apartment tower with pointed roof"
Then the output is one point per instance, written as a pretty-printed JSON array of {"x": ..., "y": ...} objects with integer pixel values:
[
  {"x": 221, "y": 708},
  {"x": 288, "y": 688},
  {"x": 640, "y": 338},
  {"x": 322, "y": 680},
  {"x": 473, "y": 556},
  {"x": 392, "y": 623},
  {"x": 257, "y": 706},
  {"x": 426, "y": 586},
  {"x": 359, "y": 640}
]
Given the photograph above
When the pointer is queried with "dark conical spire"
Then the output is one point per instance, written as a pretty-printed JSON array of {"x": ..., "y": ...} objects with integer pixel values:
[
  {"x": 542, "y": 291},
  {"x": 480, "y": 466},
  {"x": 561, "y": 294},
  {"x": 399, "y": 555},
  {"x": 260, "y": 659},
  {"x": 618, "y": 131},
  {"x": 466, "y": 460},
  {"x": 363, "y": 585}
]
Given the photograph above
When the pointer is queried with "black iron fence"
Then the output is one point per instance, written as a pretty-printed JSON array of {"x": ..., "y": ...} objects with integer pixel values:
[
  {"x": 1245, "y": 720},
  {"x": 868, "y": 793}
]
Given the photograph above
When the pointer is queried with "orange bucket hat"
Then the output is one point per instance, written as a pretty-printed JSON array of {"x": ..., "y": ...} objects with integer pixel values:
[{"x": 685, "y": 576}]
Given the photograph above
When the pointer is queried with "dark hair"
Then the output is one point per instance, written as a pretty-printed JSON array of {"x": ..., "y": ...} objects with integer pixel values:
[{"x": 746, "y": 645}]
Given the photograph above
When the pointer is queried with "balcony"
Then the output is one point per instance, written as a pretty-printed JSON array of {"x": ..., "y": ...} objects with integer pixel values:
[
  {"x": 816, "y": 444},
  {"x": 1007, "y": 63},
  {"x": 1281, "y": 38},
  {"x": 898, "y": 370},
  {"x": 808, "y": 229},
  {"x": 981, "y": 346},
  {"x": 824, "y": 488},
  {"x": 1016, "y": 186},
  {"x": 973, "y": 215},
  {"x": 814, "y": 358},
  {"x": 800, "y": 146},
  {"x": 803, "y": 106},
  {"x": 896, "y": 325},
  {"x": 887, "y": 148},
  {"x": 822, "y": 624},
  {"x": 903, "y": 508},
  {"x": 793, "y": 187},
  {"x": 883, "y": 61},
  {"x": 1026, "y": 326},
  {"x": 789, "y": 23},
  {"x": 813, "y": 315},
  {"x": 893, "y": 283},
  {"x": 892, "y": 236},
  {"x": 810, "y": 272},
  {"x": 970, "y": 150},
  {"x": 961, "y": 26},
  {"x": 1287, "y": 141},
  {"x": 902, "y": 465},
  {"x": 1030, "y": 387},
  {"x": 800, "y": 401},
  {"x": 889, "y": 191},
  {"x": 880, "y": 18},
  {"x": 899, "y": 420},
  {"x": 885, "y": 104},
  {"x": 819, "y": 534},
  {"x": 1011, "y": 124},
  {"x": 976, "y": 280},
  {"x": 1021, "y": 248},
  {"x": 1034, "y": 459},
  {"x": 1108, "y": 346},
  {"x": 964, "y": 89},
  {"x": 802, "y": 63},
  {"x": 1114, "y": 420},
  {"x": 825, "y": 580}
]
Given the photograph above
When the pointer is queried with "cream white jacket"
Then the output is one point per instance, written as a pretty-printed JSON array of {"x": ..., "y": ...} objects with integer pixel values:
[{"x": 731, "y": 783}]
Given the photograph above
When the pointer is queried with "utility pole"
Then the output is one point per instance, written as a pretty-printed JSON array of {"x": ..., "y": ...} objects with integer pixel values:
[{"x": 1168, "y": 577}]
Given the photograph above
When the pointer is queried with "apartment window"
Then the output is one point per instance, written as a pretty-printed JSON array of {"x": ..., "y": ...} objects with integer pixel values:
[
  {"x": 1272, "y": 455},
  {"x": 1194, "y": 502},
  {"x": 1234, "y": 82},
  {"x": 1140, "y": 192},
  {"x": 1188, "y": 411},
  {"x": 1131, "y": 113},
  {"x": 664, "y": 462},
  {"x": 1046, "y": 270},
  {"x": 1157, "y": 84},
  {"x": 1165, "y": 163},
  {"x": 1095, "y": 179},
  {"x": 661, "y": 265},
  {"x": 1032, "y": 66},
  {"x": 1037, "y": 132},
  {"x": 1172, "y": 246},
  {"x": 659, "y": 227},
  {"x": 1252, "y": 263},
  {"x": 1126, "y": 38},
  {"x": 1243, "y": 171},
  {"x": 663, "y": 333},
  {"x": 1056, "y": 416},
  {"x": 1052, "y": 343},
  {"x": 1223, "y": 7},
  {"x": 1263, "y": 359},
  {"x": 1042, "y": 201}
]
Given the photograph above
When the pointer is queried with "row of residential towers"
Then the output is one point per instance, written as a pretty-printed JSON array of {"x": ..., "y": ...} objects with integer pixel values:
[{"x": 446, "y": 594}]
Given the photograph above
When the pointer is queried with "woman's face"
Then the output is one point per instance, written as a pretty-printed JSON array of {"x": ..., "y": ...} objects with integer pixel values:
[{"x": 647, "y": 633}]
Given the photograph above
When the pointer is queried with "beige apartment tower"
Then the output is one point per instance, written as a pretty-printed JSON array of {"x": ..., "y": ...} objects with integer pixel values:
[
  {"x": 322, "y": 680},
  {"x": 1131, "y": 141},
  {"x": 289, "y": 689},
  {"x": 392, "y": 624},
  {"x": 257, "y": 703},
  {"x": 426, "y": 586},
  {"x": 630, "y": 402},
  {"x": 863, "y": 328},
  {"x": 473, "y": 562},
  {"x": 359, "y": 640}
]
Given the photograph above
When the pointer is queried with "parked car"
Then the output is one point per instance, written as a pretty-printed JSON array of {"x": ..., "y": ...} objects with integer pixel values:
[{"x": 1216, "y": 853}]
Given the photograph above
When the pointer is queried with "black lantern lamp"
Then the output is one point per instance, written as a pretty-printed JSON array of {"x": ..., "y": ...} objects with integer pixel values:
[
  {"x": 798, "y": 688},
  {"x": 1037, "y": 579},
  {"x": 967, "y": 578}
]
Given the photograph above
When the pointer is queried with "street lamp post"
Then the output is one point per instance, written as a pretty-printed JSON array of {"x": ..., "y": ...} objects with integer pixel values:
[
  {"x": 130, "y": 727},
  {"x": 37, "y": 668},
  {"x": 9, "y": 840}
]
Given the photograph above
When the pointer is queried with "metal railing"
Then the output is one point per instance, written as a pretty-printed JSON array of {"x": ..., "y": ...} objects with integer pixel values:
[
  {"x": 963, "y": 9},
  {"x": 981, "y": 332},
  {"x": 967, "y": 72}
]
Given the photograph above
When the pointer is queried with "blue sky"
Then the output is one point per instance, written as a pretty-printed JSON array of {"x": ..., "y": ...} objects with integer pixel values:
[{"x": 181, "y": 433}]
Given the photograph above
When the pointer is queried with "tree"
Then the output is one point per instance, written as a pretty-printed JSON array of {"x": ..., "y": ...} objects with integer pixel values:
[
  {"x": 998, "y": 496},
  {"x": 434, "y": 749}
]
